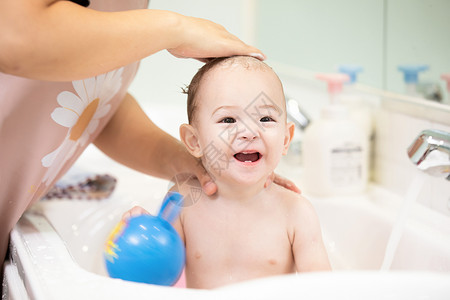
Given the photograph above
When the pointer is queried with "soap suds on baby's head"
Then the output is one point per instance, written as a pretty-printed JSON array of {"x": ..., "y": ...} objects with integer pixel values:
[{"x": 246, "y": 62}]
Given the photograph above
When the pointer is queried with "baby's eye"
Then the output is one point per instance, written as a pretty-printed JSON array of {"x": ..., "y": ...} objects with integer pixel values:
[
  {"x": 266, "y": 119},
  {"x": 227, "y": 120}
]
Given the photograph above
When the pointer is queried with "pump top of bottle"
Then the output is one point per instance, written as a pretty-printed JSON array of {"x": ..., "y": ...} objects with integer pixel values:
[
  {"x": 335, "y": 82},
  {"x": 446, "y": 77},
  {"x": 411, "y": 72},
  {"x": 350, "y": 70}
]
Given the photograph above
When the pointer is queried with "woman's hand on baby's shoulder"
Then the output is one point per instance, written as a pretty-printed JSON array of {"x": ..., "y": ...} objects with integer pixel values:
[
  {"x": 282, "y": 181},
  {"x": 134, "y": 212}
]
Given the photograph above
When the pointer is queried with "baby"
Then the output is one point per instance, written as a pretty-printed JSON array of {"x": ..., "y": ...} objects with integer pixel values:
[{"x": 238, "y": 128}]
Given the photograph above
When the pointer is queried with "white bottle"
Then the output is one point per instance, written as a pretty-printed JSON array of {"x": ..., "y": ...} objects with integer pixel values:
[
  {"x": 335, "y": 149},
  {"x": 360, "y": 106},
  {"x": 411, "y": 78},
  {"x": 361, "y": 109}
]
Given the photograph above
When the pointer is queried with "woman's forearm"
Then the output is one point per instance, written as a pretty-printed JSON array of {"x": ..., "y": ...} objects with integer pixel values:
[
  {"x": 133, "y": 140},
  {"x": 64, "y": 41}
]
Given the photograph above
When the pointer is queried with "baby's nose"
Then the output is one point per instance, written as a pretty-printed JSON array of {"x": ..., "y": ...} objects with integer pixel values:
[{"x": 247, "y": 134}]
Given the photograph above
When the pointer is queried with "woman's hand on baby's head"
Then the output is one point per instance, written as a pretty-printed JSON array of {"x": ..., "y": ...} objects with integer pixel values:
[
  {"x": 134, "y": 212},
  {"x": 203, "y": 39}
]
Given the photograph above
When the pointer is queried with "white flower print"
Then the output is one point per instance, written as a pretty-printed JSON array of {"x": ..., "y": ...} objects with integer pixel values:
[{"x": 81, "y": 113}]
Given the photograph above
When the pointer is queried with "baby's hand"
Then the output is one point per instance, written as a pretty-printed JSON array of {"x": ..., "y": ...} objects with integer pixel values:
[{"x": 134, "y": 212}]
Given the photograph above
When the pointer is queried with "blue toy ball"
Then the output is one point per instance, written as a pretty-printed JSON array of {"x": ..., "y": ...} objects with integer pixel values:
[{"x": 147, "y": 248}]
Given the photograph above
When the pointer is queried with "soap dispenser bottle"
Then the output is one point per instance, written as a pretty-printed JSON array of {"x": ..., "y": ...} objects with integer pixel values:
[
  {"x": 361, "y": 108},
  {"x": 411, "y": 78},
  {"x": 359, "y": 105},
  {"x": 334, "y": 148}
]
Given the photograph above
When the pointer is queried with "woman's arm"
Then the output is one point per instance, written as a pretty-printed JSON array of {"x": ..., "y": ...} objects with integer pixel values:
[
  {"x": 63, "y": 41},
  {"x": 132, "y": 139}
]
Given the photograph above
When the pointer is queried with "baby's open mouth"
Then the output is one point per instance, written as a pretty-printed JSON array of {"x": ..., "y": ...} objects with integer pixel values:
[{"x": 248, "y": 156}]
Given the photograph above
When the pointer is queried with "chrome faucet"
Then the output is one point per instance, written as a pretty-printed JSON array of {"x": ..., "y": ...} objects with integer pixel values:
[
  {"x": 430, "y": 152},
  {"x": 296, "y": 114}
]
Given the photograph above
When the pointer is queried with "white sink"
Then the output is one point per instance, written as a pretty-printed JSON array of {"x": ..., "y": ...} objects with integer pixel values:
[{"x": 57, "y": 248}]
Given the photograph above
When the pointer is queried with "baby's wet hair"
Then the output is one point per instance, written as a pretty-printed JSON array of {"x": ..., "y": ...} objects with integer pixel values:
[{"x": 191, "y": 90}]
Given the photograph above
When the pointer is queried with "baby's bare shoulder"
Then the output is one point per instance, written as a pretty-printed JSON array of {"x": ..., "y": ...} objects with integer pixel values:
[
  {"x": 301, "y": 218},
  {"x": 297, "y": 207},
  {"x": 290, "y": 199}
]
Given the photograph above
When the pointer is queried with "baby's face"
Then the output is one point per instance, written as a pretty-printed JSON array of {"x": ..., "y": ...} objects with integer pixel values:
[{"x": 241, "y": 123}]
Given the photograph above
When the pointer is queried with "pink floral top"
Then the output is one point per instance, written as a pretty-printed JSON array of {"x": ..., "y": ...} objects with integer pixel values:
[{"x": 45, "y": 126}]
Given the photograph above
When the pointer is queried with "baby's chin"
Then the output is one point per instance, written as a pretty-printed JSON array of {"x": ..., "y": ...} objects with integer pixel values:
[{"x": 241, "y": 180}]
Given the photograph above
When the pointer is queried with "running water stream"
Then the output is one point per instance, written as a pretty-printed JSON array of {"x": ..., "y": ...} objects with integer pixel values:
[{"x": 411, "y": 196}]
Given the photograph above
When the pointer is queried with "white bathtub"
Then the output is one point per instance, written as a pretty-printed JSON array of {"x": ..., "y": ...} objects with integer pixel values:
[{"x": 57, "y": 246}]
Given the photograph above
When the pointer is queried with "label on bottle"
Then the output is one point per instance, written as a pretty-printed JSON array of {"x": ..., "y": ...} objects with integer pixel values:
[{"x": 346, "y": 165}]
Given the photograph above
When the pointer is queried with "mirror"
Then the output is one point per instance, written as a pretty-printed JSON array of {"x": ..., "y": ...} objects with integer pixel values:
[{"x": 377, "y": 35}]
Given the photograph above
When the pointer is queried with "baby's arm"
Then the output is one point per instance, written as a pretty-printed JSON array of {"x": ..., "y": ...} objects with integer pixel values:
[{"x": 308, "y": 247}]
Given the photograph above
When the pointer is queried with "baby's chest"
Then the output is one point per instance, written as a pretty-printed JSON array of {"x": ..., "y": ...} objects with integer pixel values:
[{"x": 238, "y": 243}]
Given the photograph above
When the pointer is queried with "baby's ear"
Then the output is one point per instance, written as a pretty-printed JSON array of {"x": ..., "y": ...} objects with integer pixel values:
[
  {"x": 288, "y": 135},
  {"x": 188, "y": 136}
]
